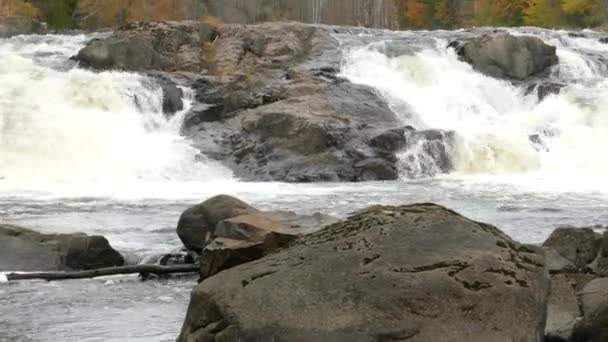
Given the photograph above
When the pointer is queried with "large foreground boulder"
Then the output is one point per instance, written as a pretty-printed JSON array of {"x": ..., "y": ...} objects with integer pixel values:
[
  {"x": 503, "y": 55},
  {"x": 417, "y": 273},
  {"x": 22, "y": 249}
]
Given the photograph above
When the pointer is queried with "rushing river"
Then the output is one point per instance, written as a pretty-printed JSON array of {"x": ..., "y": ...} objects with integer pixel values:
[{"x": 93, "y": 152}]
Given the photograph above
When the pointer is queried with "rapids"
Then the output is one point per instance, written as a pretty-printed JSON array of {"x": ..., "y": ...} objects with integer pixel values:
[{"x": 92, "y": 151}]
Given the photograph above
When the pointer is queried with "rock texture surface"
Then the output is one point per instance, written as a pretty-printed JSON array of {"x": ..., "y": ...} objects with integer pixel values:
[
  {"x": 580, "y": 246},
  {"x": 22, "y": 249},
  {"x": 270, "y": 101},
  {"x": 415, "y": 273},
  {"x": 503, "y": 55},
  {"x": 563, "y": 310}
]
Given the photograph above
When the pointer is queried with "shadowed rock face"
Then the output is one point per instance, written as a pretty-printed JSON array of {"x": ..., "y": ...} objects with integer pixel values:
[
  {"x": 416, "y": 273},
  {"x": 22, "y": 249}
]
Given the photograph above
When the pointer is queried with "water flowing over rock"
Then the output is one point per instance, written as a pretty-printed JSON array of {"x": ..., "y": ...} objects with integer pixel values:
[
  {"x": 271, "y": 98},
  {"x": 22, "y": 249},
  {"x": 418, "y": 272},
  {"x": 506, "y": 56}
]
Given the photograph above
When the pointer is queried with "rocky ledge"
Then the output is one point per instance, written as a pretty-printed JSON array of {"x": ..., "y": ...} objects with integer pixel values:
[
  {"x": 270, "y": 101},
  {"x": 271, "y": 104}
]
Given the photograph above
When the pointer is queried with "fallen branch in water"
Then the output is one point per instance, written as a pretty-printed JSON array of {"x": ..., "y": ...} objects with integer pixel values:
[{"x": 100, "y": 272}]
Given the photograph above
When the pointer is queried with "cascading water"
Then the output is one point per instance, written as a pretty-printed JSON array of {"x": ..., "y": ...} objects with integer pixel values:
[
  {"x": 500, "y": 130},
  {"x": 317, "y": 10},
  {"x": 64, "y": 125}
]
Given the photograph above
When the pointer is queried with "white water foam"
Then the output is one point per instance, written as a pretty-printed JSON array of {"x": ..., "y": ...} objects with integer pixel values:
[
  {"x": 80, "y": 129},
  {"x": 494, "y": 120}
]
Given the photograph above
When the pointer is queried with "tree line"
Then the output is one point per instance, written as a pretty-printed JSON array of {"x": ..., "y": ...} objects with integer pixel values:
[
  {"x": 394, "y": 14},
  {"x": 542, "y": 13}
]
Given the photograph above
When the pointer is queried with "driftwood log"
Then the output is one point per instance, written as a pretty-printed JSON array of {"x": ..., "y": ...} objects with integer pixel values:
[{"x": 100, "y": 272}]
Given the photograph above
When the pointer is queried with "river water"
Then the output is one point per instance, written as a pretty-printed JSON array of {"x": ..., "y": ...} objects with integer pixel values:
[{"x": 92, "y": 152}]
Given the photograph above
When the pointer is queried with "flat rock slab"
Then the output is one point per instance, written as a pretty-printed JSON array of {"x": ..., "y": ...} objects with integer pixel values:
[
  {"x": 416, "y": 273},
  {"x": 563, "y": 309},
  {"x": 23, "y": 249}
]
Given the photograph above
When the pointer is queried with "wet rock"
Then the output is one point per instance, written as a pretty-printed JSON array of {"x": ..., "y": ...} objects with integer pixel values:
[
  {"x": 22, "y": 249},
  {"x": 563, "y": 310},
  {"x": 390, "y": 140},
  {"x": 269, "y": 98},
  {"x": 576, "y": 35},
  {"x": 416, "y": 273},
  {"x": 196, "y": 225},
  {"x": 603, "y": 40},
  {"x": 376, "y": 169},
  {"x": 428, "y": 152},
  {"x": 545, "y": 89},
  {"x": 578, "y": 245},
  {"x": 172, "y": 96},
  {"x": 503, "y": 55}
]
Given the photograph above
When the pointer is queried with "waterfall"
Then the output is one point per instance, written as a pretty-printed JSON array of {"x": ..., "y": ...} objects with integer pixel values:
[
  {"x": 317, "y": 10},
  {"x": 501, "y": 130},
  {"x": 62, "y": 124}
]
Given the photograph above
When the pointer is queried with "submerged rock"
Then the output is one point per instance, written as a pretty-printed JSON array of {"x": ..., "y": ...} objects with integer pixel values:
[
  {"x": 544, "y": 89},
  {"x": 23, "y": 249},
  {"x": 503, "y": 55},
  {"x": 417, "y": 273}
]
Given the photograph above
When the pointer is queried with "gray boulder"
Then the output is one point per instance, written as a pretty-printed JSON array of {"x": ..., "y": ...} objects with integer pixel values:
[
  {"x": 227, "y": 217},
  {"x": 578, "y": 245},
  {"x": 22, "y": 249},
  {"x": 163, "y": 46},
  {"x": 196, "y": 225},
  {"x": 503, "y": 55},
  {"x": 417, "y": 273}
]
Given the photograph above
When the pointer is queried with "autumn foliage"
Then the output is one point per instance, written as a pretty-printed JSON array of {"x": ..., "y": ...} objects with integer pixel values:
[{"x": 416, "y": 14}]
